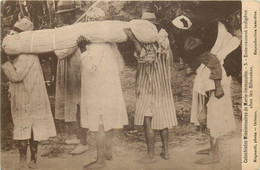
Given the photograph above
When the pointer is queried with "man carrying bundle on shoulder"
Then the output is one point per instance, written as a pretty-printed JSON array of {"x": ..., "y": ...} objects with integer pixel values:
[
  {"x": 68, "y": 82},
  {"x": 155, "y": 105},
  {"x": 30, "y": 106},
  {"x": 103, "y": 107}
]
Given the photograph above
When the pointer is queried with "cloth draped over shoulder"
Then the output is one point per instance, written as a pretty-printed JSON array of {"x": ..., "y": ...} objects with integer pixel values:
[
  {"x": 220, "y": 119},
  {"x": 30, "y": 106},
  {"x": 102, "y": 99},
  {"x": 154, "y": 96}
]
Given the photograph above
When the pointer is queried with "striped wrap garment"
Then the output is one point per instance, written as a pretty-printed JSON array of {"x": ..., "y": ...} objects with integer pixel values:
[{"x": 153, "y": 85}]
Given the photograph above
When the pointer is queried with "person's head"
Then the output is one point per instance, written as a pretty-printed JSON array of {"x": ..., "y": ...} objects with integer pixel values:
[
  {"x": 149, "y": 15},
  {"x": 66, "y": 11},
  {"x": 181, "y": 23},
  {"x": 95, "y": 14},
  {"x": 178, "y": 28},
  {"x": 22, "y": 25}
]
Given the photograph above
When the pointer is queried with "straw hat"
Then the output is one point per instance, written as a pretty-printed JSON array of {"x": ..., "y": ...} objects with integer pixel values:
[
  {"x": 24, "y": 24},
  {"x": 66, "y": 6},
  {"x": 182, "y": 22}
]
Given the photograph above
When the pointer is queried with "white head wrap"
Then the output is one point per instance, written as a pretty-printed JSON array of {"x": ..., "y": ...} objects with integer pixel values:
[
  {"x": 148, "y": 15},
  {"x": 95, "y": 13},
  {"x": 24, "y": 24},
  {"x": 182, "y": 22}
]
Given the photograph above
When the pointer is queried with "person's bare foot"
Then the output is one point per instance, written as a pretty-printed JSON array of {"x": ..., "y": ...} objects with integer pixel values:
[
  {"x": 203, "y": 151},
  {"x": 165, "y": 156},
  {"x": 32, "y": 165},
  {"x": 95, "y": 165},
  {"x": 146, "y": 160},
  {"x": 209, "y": 160},
  {"x": 79, "y": 149}
]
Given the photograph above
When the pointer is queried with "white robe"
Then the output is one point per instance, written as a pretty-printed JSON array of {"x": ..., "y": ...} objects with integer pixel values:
[
  {"x": 30, "y": 106},
  {"x": 102, "y": 100},
  {"x": 220, "y": 118}
]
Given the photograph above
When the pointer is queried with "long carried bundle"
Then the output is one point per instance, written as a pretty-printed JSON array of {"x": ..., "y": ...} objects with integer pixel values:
[{"x": 42, "y": 41}]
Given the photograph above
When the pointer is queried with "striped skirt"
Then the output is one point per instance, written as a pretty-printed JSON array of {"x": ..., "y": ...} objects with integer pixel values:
[{"x": 154, "y": 94}]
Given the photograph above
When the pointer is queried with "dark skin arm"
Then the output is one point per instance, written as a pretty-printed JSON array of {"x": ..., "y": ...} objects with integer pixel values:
[
  {"x": 219, "y": 92},
  {"x": 210, "y": 61},
  {"x": 214, "y": 65},
  {"x": 132, "y": 38},
  {"x": 82, "y": 42}
]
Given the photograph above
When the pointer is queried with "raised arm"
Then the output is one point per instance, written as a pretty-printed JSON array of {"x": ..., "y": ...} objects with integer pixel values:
[
  {"x": 82, "y": 42},
  {"x": 17, "y": 72},
  {"x": 132, "y": 38}
]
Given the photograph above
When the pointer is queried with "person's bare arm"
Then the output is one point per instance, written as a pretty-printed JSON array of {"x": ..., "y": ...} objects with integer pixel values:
[
  {"x": 132, "y": 38},
  {"x": 18, "y": 72},
  {"x": 212, "y": 62},
  {"x": 219, "y": 92},
  {"x": 82, "y": 42}
]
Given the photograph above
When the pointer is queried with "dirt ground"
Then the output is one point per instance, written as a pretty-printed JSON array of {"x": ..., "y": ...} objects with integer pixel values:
[
  {"x": 184, "y": 140},
  {"x": 182, "y": 157}
]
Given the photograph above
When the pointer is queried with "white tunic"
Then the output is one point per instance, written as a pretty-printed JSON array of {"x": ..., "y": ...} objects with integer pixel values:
[
  {"x": 102, "y": 100},
  {"x": 220, "y": 118},
  {"x": 67, "y": 94},
  {"x": 30, "y": 104}
]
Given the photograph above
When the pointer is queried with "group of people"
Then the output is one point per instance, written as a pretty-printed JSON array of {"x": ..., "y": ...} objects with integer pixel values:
[{"x": 88, "y": 82}]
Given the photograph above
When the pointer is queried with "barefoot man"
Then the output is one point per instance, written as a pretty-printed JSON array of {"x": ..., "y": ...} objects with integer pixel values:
[
  {"x": 211, "y": 104},
  {"x": 102, "y": 104},
  {"x": 67, "y": 98},
  {"x": 30, "y": 106},
  {"x": 154, "y": 106}
]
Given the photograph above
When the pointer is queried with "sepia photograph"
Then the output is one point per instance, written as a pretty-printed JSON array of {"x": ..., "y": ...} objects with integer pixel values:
[{"x": 121, "y": 85}]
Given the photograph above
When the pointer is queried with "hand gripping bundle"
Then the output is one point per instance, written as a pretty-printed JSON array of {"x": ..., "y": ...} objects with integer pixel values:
[{"x": 42, "y": 41}]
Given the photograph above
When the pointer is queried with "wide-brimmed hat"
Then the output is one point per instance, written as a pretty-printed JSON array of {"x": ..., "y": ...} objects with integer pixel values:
[{"x": 23, "y": 24}]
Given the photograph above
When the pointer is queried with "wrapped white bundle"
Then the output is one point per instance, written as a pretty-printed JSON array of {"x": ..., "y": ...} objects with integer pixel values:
[{"x": 42, "y": 41}]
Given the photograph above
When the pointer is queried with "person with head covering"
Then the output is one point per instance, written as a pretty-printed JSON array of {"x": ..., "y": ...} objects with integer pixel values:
[
  {"x": 67, "y": 94},
  {"x": 211, "y": 90},
  {"x": 179, "y": 29},
  {"x": 30, "y": 106},
  {"x": 93, "y": 14},
  {"x": 103, "y": 108},
  {"x": 154, "y": 101}
]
